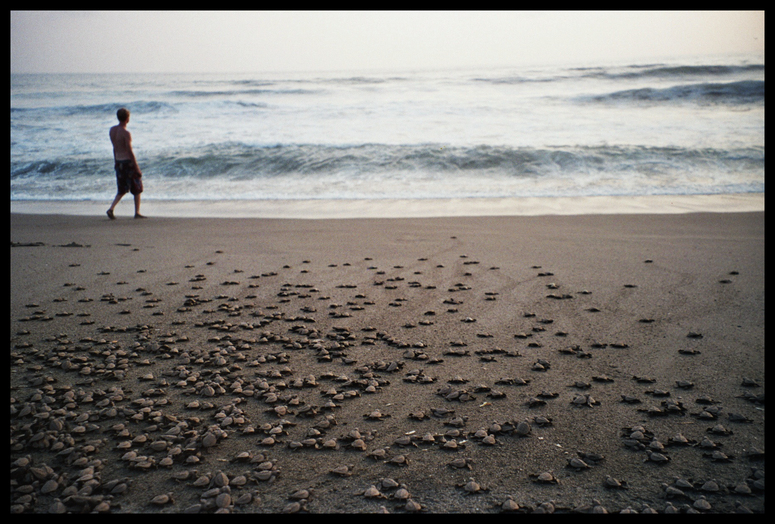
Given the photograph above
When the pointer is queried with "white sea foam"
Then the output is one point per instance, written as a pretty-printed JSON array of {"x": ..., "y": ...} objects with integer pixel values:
[{"x": 631, "y": 130}]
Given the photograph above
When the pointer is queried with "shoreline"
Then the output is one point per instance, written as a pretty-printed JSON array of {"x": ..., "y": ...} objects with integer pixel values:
[{"x": 410, "y": 208}]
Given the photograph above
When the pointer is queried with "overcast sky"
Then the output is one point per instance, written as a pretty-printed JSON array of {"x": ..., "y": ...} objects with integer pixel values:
[{"x": 258, "y": 41}]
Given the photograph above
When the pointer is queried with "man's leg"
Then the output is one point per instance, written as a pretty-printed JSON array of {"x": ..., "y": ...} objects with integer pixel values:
[
  {"x": 113, "y": 205},
  {"x": 137, "y": 207}
]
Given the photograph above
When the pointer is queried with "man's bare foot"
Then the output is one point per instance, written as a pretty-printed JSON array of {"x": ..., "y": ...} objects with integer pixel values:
[
  {"x": 138, "y": 215},
  {"x": 110, "y": 214}
]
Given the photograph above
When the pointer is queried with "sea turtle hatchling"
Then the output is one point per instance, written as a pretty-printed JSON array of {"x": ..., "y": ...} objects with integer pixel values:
[
  {"x": 479, "y": 434},
  {"x": 401, "y": 494},
  {"x": 707, "y": 443},
  {"x": 516, "y": 381},
  {"x": 710, "y": 486},
  {"x": 294, "y": 506},
  {"x": 358, "y": 444},
  {"x": 702, "y": 504},
  {"x": 388, "y": 483},
  {"x": 540, "y": 365},
  {"x": 243, "y": 456},
  {"x": 719, "y": 430},
  {"x": 452, "y": 444},
  {"x": 343, "y": 470},
  {"x": 419, "y": 415},
  {"x": 542, "y": 421},
  {"x": 584, "y": 400},
  {"x": 472, "y": 487},
  {"x": 658, "y": 392},
  {"x": 741, "y": 488},
  {"x": 161, "y": 500},
  {"x": 613, "y": 483},
  {"x": 412, "y": 506},
  {"x": 756, "y": 479},
  {"x": 544, "y": 508},
  {"x": 489, "y": 440},
  {"x": 673, "y": 492},
  {"x": 682, "y": 483},
  {"x": 202, "y": 481},
  {"x": 569, "y": 350},
  {"x": 405, "y": 440},
  {"x": 496, "y": 394},
  {"x": 378, "y": 454},
  {"x": 301, "y": 494},
  {"x": 547, "y": 477},
  {"x": 457, "y": 422},
  {"x": 398, "y": 460},
  {"x": 376, "y": 415},
  {"x": 673, "y": 406},
  {"x": 638, "y": 433},
  {"x": 461, "y": 462},
  {"x": 709, "y": 413},
  {"x": 182, "y": 475},
  {"x": 372, "y": 492},
  {"x": 656, "y": 445},
  {"x": 509, "y": 504},
  {"x": 428, "y": 438},
  {"x": 738, "y": 417},
  {"x": 577, "y": 464},
  {"x": 591, "y": 458},
  {"x": 679, "y": 440},
  {"x": 522, "y": 429},
  {"x": 718, "y": 456},
  {"x": 655, "y": 457},
  {"x": 705, "y": 400},
  {"x": 220, "y": 479},
  {"x": 754, "y": 453},
  {"x": 442, "y": 412},
  {"x": 752, "y": 397}
]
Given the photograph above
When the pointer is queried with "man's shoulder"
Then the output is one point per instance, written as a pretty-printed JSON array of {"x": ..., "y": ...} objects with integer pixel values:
[{"x": 117, "y": 130}]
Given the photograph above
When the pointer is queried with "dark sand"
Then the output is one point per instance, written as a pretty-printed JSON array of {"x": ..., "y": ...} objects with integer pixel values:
[{"x": 298, "y": 329}]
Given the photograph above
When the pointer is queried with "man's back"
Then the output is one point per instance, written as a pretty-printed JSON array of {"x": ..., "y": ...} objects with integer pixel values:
[{"x": 122, "y": 143}]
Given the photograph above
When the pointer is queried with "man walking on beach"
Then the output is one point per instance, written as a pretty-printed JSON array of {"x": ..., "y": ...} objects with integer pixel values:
[{"x": 128, "y": 174}]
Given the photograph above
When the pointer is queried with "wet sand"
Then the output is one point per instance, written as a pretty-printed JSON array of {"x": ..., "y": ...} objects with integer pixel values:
[
  {"x": 338, "y": 356},
  {"x": 418, "y": 208}
]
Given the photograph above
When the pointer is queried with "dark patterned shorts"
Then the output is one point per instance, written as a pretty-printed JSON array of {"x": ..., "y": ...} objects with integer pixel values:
[{"x": 128, "y": 180}]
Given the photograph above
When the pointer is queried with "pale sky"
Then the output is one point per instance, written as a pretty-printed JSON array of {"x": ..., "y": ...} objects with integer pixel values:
[{"x": 267, "y": 41}]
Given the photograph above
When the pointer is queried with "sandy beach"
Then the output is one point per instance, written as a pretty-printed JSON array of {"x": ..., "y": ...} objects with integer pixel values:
[{"x": 576, "y": 363}]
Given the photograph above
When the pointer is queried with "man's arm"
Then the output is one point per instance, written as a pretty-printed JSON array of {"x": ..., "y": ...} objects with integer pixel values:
[{"x": 132, "y": 152}]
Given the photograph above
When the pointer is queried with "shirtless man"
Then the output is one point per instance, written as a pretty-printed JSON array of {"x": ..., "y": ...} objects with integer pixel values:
[{"x": 128, "y": 174}]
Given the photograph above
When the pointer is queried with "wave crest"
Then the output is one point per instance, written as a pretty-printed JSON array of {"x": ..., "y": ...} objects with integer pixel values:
[{"x": 742, "y": 92}]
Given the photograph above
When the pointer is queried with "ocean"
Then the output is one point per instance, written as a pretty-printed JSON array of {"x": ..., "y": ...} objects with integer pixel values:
[{"x": 669, "y": 128}]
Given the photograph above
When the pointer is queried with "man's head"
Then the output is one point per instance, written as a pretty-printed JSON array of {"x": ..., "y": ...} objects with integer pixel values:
[{"x": 123, "y": 115}]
